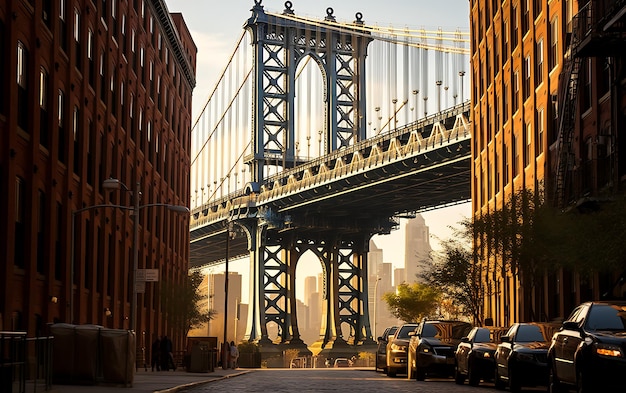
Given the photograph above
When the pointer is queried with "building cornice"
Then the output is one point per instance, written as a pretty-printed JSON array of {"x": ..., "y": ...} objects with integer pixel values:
[{"x": 167, "y": 25}]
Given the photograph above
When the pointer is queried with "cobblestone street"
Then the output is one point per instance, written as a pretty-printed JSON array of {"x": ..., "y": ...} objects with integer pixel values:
[{"x": 334, "y": 380}]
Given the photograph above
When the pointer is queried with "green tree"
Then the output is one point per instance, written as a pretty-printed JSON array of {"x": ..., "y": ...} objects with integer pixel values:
[
  {"x": 455, "y": 273},
  {"x": 411, "y": 303},
  {"x": 181, "y": 303}
]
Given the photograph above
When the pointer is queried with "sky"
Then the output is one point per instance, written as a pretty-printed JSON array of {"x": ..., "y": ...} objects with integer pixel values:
[{"x": 216, "y": 25}]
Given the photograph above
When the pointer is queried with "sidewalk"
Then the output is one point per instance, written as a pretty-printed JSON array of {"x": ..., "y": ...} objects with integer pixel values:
[{"x": 149, "y": 382}]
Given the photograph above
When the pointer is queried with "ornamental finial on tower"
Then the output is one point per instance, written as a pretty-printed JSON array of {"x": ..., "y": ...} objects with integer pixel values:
[{"x": 288, "y": 8}]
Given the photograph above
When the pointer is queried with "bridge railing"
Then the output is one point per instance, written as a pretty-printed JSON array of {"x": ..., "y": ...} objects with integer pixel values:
[{"x": 372, "y": 152}]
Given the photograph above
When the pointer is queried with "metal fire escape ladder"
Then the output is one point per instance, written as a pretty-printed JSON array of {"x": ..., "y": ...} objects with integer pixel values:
[{"x": 567, "y": 99}]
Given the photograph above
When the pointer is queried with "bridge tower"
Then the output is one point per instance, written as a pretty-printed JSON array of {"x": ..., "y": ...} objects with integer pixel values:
[{"x": 279, "y": 45}]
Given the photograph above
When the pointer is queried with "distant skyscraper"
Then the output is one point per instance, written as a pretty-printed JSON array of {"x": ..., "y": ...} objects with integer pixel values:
[
  {"x": 399, "y": 276},
  {"x": 310, "y": 286},
  {"x": 215, "y": 293},
  {"x": 417, "y": 249}
]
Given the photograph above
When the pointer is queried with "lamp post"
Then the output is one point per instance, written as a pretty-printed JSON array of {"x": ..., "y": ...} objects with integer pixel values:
[
  {"x": 115, "y": 184},
  {"x": 376, "y": 305},
  {"x": 225, "y": 345}
]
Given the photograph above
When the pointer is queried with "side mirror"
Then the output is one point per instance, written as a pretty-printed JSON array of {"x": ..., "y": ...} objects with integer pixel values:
[
  {"x": 505, "y": 339},
  {"x": 411, "y": 334},
  {"x": 465, "y": 340},
  {"x": 571, "y": 325},
  {"x": 380, "y": 338}
]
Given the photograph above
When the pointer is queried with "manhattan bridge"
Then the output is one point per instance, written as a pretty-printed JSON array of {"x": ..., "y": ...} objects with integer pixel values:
[{"x": 319, "y": 135}]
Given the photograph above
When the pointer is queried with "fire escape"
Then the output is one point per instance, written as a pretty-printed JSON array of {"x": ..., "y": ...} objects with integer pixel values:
[{"x": 598, "y": 30}]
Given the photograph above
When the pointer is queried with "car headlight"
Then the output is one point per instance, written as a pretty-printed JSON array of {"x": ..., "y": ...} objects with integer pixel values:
[
  {"x": 608, "y": 350},
  {"x": 396, "y": 347},
  {"x": 425, "y": 349},
  {"x": 487, "y": 355}
]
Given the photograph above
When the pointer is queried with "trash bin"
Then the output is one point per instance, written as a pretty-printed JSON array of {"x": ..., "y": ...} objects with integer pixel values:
[{"x": 199, "y": 361}]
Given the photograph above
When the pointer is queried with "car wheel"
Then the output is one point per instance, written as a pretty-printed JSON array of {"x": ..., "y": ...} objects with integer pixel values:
[
  {"x": 497, "y": 381},
  {"x": 420, "y": 373},
  {"x": 459, "y": 378},
  {"x": 582, "y": 383},
  {"x": 554, "y": 385},
  {"x": 514, "y": 383},
  {"x": 473, "y": 377}
]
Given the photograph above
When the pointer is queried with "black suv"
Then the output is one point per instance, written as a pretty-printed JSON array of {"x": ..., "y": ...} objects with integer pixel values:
[
  {"x": 589, "y": 351},
  {"x": 432, "y": 347}
]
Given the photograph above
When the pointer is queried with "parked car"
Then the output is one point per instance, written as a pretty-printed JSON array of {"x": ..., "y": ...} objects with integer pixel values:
[
  {"x": 342, "y": 362},
  {"x": 521, "y": 359},
  {"x": 589, "y": 352},
  {"x": 396, "y": 349},
  {"x": 432, "y": 346},
  {"x": 475, "y": 355},
  {"x": 381, "y": 351}
]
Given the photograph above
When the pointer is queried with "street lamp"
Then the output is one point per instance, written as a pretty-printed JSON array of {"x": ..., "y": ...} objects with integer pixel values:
[
  {"x": 375, "y": 305},
  {"x": 115, "y": 184}
]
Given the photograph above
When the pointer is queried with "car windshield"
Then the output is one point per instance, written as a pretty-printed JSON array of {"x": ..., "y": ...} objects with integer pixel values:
[
  {"x": 405, "y": 330},
  {"x": 607, "y": 317},
  {"x": 482, "y": 336},
  {"x": 446, "y": 330},
  {"x": 529, "y": 333}
]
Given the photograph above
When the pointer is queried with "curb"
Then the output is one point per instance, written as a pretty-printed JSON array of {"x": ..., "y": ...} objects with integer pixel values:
[{"x": 194, "y": 384}]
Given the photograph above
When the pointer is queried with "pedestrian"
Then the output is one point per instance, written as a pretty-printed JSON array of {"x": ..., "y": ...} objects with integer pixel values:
[
  {"x": 234, "y": 355},
  {"x": 156, "y": 354},
  {"x": 167, "y": 357}
]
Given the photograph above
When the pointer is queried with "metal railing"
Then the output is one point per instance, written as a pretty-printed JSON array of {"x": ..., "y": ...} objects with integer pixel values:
[{"x": 25, "y": 363}]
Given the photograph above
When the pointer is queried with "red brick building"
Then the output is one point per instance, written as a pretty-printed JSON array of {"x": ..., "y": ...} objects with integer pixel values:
[
  {"x": 548, "y": 107},
  {"x": 92, "y": 90}
]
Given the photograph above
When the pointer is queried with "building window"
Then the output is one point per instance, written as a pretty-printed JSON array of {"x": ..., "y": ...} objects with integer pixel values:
[
  {"x": 131, "y": 113},
  {"x": 525, "y": 17},
  {"x": 554, "y": 43},
  {"x": 46, "y": 15},
  {"x": 102, "y": 79},
  {"x": 539, "y": 62},
  {"x": 22, "y": 86},
  {"x": 587, "y": 76},
  {"x": 505, "y": 164},
  {"x": 75, "y": 138},
  {"x": 61, "y": 122},
  {"x": 113, "y": 93},
  {"x": 114, "y": 18},
  {"x": 516, "y": 157},
  {"x": 505, "y": 40},
  {"x": 63, "y": 25},
  {"x": 43, "y": 108},
  {"x": 516, "y": 87},
  {"x": 539, "y": 127},
  {"x": 527, "y": 76},
  {"x": 20, "y": 222},
  {"x": 124, "y": 46},
  {"x": 3, "y": 91},
  {"x": 605, "y": 77},
  {"x": 57, "y": 242},
  {"x": 141, "y": 64},
  {"x": 77, "y": 47},
  {"x": 528, "y": 144},
  {"x": 515, "y": 28},
  {"x": 497, "y": 172},
  {"x": 133, "y": 49},
  {"x": 90, "y": 58}
]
